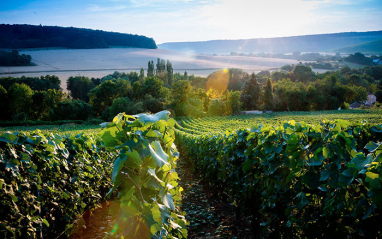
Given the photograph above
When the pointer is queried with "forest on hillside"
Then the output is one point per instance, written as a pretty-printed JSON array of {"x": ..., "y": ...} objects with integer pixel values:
[{"x": 31, "y": 36}]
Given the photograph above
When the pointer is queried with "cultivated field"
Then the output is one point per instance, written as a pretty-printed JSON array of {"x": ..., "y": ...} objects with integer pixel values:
[
  {"x": 288, "y": 178},
  {"x": 100, "y": 62},
  {"x": 69, "y": 129}
]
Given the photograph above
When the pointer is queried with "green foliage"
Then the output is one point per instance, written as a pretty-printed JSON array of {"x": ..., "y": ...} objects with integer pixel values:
[
  {"x": 47, "y": 181},
  {"x": 79, "y": 87},
  {"x": 154, "y": 86},
  {"x": 324, "y": 94},
  {"x": 250, "y": 96},
  {"x": 216, "y": 108},
  {"x": 22, "y": 103},
  {"x": 359, "y": 58},
  {"x": 102, "y": 97},
  {"x": 303, "y": 73},
  {"x": 144, "y": 176},
  {"x": 268, "y": 102},
  {"x": 30, "y": 36},
  {"x": 287, "y": 68},
  {"x": 150, "y": 69},
  {"x": 291, "y": 96},
  {"x": 292, "y": 179},
  {"x": 180, "y": 92},
  {"x": 151, "y": 104},
  {"x": 59, "y": 127},
  {"x": 237, "y": 79},
  {"x": 376, "y": 73},
  {"x": 278, "y": 75},
  {"x": 142, "y": 74},
  {"x": 161, "y": 66},
  {"x": 3, "y": 103},
  {"x": 13, "y": 58},
  {"x": 264, "y": 74},
  {"x": 117, "y": 75},
  {"x": 194, "y": 107},
  {"x": 44, "y": 102},
  {"x": 20, "y": 98},
  {"x": 378, "y": 95},
  {"x": 42, "y": 83},
  {"x": 71, "y": 110},
  {"x": 202, "y": 95},
  {"x": 232, "y": 102},
  {"x": 170, "y": 73},
  {"x": 125, "y": 105},
  {"x": 359, "y": 93}
]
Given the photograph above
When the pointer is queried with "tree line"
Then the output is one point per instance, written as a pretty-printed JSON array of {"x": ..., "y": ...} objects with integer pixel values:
[
  {"x": 295, "y": 88},
  {"x": 298, "y": 88},
  {"x": 13, "y": 58},
  {"x": 32, "y": 36}
]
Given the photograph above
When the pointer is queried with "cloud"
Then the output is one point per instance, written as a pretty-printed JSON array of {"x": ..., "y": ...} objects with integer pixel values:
[{"x": 97, "y": 8}]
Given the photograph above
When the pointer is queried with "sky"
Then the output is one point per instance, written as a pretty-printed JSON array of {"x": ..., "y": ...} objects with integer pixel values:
[{"x": 200, "y": 20}]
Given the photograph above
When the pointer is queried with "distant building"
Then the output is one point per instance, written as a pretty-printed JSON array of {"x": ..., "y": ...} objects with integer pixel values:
[
  {"x": 355, "y": 105},
  {"x": 377, "y": 62},
  {"x": 371, "y": 99}
]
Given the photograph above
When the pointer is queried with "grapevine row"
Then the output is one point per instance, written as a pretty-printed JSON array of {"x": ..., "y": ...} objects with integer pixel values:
[
  {"x": 296, "y": 179},
  {"x": 48, "y": 181}
]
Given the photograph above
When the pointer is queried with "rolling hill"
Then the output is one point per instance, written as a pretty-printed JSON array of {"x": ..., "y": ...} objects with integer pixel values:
[
  {"x": 374, "y": 47},
  {"x": 308, "y": 43},
  {"x": 31, "y": 36}
]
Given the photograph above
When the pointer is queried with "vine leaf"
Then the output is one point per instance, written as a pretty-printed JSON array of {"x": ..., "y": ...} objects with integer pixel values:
[
  {"x": 302, "y": 200},
  {"x": 372, "y": 147},
  {"x": 148, "y": 118},
  {"x": 168, "y": 200},
  {"x": 8, "y": 138},
  {"x": 360, "y": 161},
  {"x": 158, "y": 154},
  {"x": 112, "y": 137},
  {"x": 118, "y": 164}
]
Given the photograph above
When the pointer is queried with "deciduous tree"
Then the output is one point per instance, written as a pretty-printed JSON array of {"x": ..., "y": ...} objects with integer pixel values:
[
  {"x": 20, "y": 98},
  {"x": 250, "y": 95}
]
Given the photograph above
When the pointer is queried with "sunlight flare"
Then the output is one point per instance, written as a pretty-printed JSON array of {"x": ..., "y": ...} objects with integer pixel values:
[{"x": 218, "y": 82}]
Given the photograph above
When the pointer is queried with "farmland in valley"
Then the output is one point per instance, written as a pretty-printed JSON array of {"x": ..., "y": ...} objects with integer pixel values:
[{"x": 100, "y": 62}]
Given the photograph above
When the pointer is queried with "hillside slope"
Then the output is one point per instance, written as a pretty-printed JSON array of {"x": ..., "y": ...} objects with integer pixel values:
[
  {"x": 374, "y": 47},
  {"x": 30, "y": 36},
  {"x": 308, "y": 43}
]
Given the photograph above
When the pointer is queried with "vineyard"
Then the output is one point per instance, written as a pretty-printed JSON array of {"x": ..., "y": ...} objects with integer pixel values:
[
  {"x": 233, "y": 123},
  {"x": 55, "y": 129},
  {"x": 291, "y": 175},
  {"x": 289, "y": 178},
  {"x": 51, "y": 182}
]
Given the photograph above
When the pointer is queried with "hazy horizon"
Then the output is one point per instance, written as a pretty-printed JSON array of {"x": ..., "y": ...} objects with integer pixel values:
[{"x": 201, "y": 20}]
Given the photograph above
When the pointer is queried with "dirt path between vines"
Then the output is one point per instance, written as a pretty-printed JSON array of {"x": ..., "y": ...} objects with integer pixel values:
[{"x": 208, "y": 216}]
